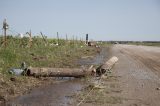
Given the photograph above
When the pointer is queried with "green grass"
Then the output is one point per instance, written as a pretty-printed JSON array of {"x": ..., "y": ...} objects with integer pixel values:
[{"x": 40, "y": 54}]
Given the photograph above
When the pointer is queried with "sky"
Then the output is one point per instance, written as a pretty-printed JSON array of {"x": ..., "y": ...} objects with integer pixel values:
[{"x": 136, "y": 20}]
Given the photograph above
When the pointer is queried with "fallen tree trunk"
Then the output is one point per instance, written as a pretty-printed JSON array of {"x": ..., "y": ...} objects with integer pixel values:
[
  {"x": 106, "y": 66},
  {"x": 58, "y": 72},
  {"x": 71, "y": 72}
]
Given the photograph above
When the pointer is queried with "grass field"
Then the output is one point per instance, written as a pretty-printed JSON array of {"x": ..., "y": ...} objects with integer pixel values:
[{"x": 42, "y": 53}]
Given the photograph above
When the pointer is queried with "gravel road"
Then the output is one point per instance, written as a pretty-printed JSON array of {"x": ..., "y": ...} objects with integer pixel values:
[{"x": 138, "y": 73}]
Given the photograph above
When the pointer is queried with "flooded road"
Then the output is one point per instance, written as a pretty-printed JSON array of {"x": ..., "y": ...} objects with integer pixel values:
[{"x": 60, "y": 93}]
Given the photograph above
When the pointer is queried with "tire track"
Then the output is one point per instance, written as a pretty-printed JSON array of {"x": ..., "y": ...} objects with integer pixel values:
[{"x": 139, "y": 77}]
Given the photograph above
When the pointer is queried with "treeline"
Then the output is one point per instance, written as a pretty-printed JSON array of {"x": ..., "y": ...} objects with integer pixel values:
[{"x": 147, "y": 43}]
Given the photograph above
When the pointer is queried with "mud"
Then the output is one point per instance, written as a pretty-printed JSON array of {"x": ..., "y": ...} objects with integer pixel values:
[{"x": 57, "y": 94}]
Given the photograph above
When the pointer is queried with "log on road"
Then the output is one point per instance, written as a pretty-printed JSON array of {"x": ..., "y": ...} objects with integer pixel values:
[
  {"x": 107, "y": 66},
  {"x": 58, "y": 72}
]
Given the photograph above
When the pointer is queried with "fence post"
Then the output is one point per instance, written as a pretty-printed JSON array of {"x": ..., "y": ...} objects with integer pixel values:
[{"x": 86, "y": 39}]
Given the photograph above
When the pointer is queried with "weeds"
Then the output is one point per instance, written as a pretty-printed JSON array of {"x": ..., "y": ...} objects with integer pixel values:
[{"x": 40, "y": 54}]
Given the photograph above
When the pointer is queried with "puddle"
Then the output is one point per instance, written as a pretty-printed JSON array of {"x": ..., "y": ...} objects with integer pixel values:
[
  {"x": 60, "y": 93},
  {"x": 97, "y": 60},
  {"x": 54, "y": 95}
]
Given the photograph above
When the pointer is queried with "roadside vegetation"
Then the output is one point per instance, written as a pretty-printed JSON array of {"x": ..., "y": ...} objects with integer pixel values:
[{"x": 39, "y": 52}]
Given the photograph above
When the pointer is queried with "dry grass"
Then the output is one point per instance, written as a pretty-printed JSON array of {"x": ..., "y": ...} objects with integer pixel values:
[{"x": 103, "y": 95}]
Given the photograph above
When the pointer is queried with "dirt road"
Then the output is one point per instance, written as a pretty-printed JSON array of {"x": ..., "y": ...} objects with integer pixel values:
[{"x": 138, "y": 72}]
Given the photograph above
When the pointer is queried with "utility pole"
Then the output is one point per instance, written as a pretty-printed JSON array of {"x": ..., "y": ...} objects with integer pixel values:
[{"x": 5, "y": 27}]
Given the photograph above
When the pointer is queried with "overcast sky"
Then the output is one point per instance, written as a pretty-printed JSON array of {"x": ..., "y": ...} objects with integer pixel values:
[{"x": 101, "y": 19}]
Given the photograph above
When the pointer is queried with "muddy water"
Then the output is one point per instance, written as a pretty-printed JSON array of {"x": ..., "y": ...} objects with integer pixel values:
[
  {"x": 97, "y": 60},
  {"x": 60, "y": 93}
]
